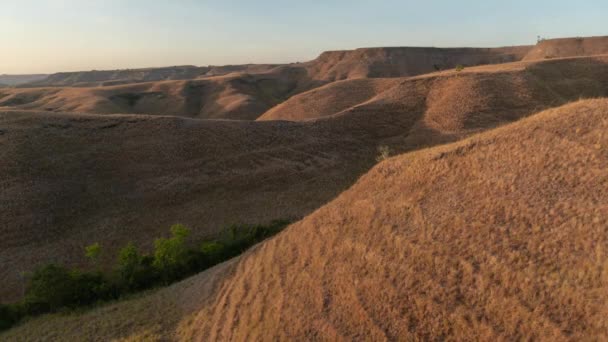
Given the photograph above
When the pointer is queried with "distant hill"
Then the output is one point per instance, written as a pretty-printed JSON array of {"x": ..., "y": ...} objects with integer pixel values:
[
  {"x": 15, "y": 80},
  {"x": 569, "y": 47},
  {"x": 235, "y": 96},
  {"x": 480, "y": 94},
  {"x": 329, "y": 66},
  {"x": 125, "y": 76},
  {"x": 405, "y": 61}
]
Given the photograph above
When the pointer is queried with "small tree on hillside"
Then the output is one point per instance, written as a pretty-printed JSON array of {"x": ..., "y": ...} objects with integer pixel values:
[
  {"x": 384, "y": 153},
  {"x": 50, "y": 288},
  {"x": 134, "y": 270},
  {"x": 93, "y": 253},
  {"x": 170, "y": 254}
]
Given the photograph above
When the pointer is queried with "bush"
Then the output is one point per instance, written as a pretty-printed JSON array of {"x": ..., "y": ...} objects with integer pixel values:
[
  {"x": 93, "y": 252},
  {"x": 384, "y": 152},
  {"x": 459, "y": 67},
  {"x": 52, "y": 288},
  {"x": 170, "y": 255},
  {"x": 49, "y": 288},
  {"x": 90, "y": 288},
  {"x": 213, "y": 252},
  {"x": 133, "y": 270},
  {"x": 9, "y": 316}
]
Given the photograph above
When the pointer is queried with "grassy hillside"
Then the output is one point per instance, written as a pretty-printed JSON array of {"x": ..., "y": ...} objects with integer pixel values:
[
  {"x": 450, "y": 100},
  {"x": 236, "y": 96},
  {"x": 568, "y": 47},
  {"x": 72, "y": 179},
  {"x": 515, "y": 250}
]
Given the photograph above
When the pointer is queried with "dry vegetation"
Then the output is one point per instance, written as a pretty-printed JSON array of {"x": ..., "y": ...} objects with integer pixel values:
[
  {"x": 405, "y": 61},
  {"x": 234, "y": 96},
  {"x": 501, "y": 235},
  {"x": 568, "y": 47},
  {"x": 450, "y": 100},
  {"x": 72, "y": 180},
  {"x": 233, "y": 92},
  {"x": 397, "y": 256}
]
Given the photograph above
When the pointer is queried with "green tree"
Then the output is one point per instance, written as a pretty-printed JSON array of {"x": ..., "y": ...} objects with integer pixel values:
[
  {"x": 9, "y": 316},
  {"x": 93, "y": 253},
  {"x": 133, "y": 272},
  {"x": 170, "y": 254},
  {"x": 213, "y": 251},
  {"x": 50, "y": 288}
]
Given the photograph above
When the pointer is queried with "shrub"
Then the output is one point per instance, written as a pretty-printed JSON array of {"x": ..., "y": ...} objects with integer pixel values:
[
  {"x": 52, "y": 287},
  {"x": 49, "y": 288},
  {"x": 9, "y": 316},
  {"x": 93, "y": 253},
  {"x": 133, "y": 270},
  {"x": 213, "y": 252},
  {"x": 89, "y": 288},
  {"x": 459, "y": 67},
  {"x": 170, "y": 254},
  {"x": 384, "y": 152}
]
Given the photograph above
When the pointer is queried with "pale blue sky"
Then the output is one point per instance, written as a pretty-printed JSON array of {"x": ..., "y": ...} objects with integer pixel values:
[{"x": 68, "y": 35}]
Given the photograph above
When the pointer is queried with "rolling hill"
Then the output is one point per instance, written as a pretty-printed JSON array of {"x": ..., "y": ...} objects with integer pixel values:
[
  {"x": 515, "y": 250},
  {"x": 69, "y": 180},
  {"x": 405, "y": 61},
  {"x": 103, "y": 174},
  {"x": 569, "y": 47},
  {"x": 454, "y": 101},
  {"x": 479, "y": 227},
  {"x": 15, "y": 80},
  {"x": 234, "y": 96},
  {"x": 95, "y": 78}
]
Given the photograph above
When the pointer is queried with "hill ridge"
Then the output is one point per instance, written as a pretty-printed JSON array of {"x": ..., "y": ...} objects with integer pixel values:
[{"x": 455, "y": 263}]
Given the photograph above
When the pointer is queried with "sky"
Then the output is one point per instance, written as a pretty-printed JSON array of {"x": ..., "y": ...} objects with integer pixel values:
[{"x": 44, "y": 36}]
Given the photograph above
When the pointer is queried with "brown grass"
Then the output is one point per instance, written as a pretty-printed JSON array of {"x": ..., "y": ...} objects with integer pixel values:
[
  {"x": 515, "y": 250},
  {"x": 450, "y": 101},
  {"x": 234, "y": 96},
  {"x": 72, "y": 180},
  {"x": 405, "y": 61},
  {"x": 568, "y": 47}
]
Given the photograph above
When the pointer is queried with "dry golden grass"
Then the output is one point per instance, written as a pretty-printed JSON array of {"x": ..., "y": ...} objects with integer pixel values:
[
  {"x": 149, "y": 316},
  {"x": 234, "y": 96},
  {"x": 71, "y": 180},
  {"x": 569, "y": 47},
  {"x": 501, "y": 236},
  {"x": 329, "y": 99},
  {"x": 239, "y": 92},
  {"x": 451, "y": 101},
  {"x": 404, "y": 61},
  {"x": 515, "y": 249},
  {"x": 95, "y": 78}
]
